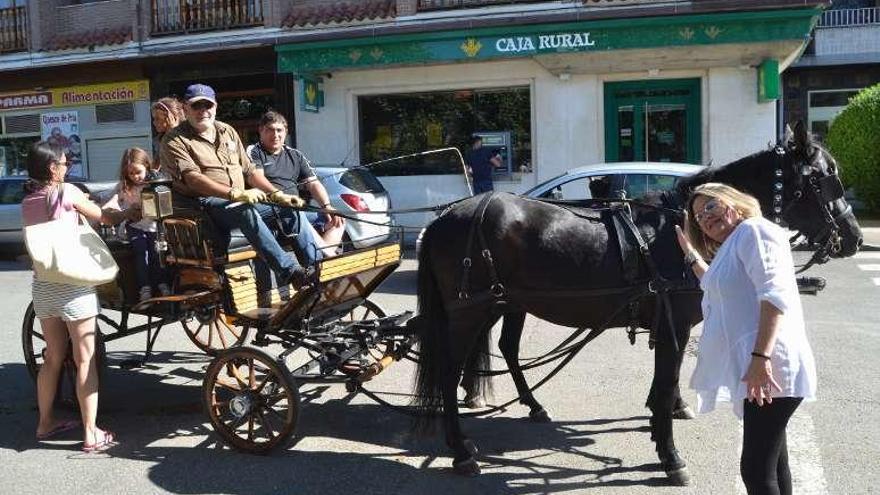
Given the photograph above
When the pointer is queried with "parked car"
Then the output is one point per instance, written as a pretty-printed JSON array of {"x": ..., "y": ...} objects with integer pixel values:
[
  {"x": 631, "y": 180},
  {"x": 11, "y": 194},
  {"x": 354, "y": 191}
]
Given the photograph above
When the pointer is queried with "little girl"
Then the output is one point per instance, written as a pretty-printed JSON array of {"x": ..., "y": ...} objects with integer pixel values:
[{"x": 135, "y": 166}]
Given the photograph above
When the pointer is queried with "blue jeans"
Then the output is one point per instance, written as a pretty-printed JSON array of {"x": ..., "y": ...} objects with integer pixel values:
[
  {"x": 292, "y": 222},
  {"x": 147, "y": 270},
  {"x": 249, "y": 219}
]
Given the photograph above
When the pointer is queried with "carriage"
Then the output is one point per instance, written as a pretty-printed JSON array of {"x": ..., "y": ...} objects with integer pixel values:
[
  {"x": 478, "y": 264},
  {"x": 331, "y": 326}
]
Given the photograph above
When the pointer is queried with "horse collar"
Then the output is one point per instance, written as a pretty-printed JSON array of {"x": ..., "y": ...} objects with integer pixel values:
[{"x": 778, "y": 186}]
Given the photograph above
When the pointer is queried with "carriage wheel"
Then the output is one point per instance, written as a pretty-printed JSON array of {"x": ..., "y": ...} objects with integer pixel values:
[
  {"x": 210, "y": 331},
  {"x": 367, "y": 310},
  {"x": 33, "y": 345},
  {"x": 251, "y": 400}
]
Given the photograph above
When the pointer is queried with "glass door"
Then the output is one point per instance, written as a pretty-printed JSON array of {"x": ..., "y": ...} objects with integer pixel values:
[{"x": 655, "y": 121}]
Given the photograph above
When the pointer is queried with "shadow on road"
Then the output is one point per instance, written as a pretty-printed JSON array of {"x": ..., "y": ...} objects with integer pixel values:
[{"x": 157, "y": 414}]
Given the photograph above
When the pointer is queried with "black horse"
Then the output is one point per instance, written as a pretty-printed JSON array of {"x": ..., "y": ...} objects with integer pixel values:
[{"x": 505, "y": 256}]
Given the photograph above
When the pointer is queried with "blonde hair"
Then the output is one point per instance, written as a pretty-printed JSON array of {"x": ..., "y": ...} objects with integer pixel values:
[{"x": 745, "y": 205}]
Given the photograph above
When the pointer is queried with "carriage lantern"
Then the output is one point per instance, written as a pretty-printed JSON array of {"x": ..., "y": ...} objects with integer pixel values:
[
  {"x": 156, "y": 200},
  {"x": 156, "y": 204}
]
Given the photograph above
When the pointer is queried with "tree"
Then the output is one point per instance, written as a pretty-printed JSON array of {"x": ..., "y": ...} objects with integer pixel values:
[{"x": 854, "y": 140}]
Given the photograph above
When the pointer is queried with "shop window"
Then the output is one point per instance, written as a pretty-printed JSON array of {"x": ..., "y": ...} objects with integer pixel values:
[
  {"x": 402, "y": 124},
  {"x": 13, "y": 154},
  {"x": 116, "y": 112},
  {"x": 824, "y": 106}
]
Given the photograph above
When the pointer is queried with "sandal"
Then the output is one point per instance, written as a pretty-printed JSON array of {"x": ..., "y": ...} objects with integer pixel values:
[
  {"x": 59, "y": 428},
  {"x": 105, "y": 443}
]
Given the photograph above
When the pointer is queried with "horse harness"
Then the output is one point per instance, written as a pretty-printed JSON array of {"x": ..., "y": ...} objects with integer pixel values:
[
  {"x": 634, "y": 253},
  {"x": 826, "y": 190}
]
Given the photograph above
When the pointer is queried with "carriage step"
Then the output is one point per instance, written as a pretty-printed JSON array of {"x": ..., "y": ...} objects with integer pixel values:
[{"x": 259, "y": 314}]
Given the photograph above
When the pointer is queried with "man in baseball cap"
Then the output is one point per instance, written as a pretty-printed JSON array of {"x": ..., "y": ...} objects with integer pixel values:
[
  {"x": 209, "y": 164},
  {"x": 199, "y": 92}
]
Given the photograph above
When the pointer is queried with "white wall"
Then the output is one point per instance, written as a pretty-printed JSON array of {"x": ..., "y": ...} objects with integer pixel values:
[
  {"x": 738, "y": 125},
  {"x": 567, "y": 119}
]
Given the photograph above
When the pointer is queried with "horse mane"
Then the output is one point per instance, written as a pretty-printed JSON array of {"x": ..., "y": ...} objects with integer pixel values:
[{"x": 718, "y": 173}]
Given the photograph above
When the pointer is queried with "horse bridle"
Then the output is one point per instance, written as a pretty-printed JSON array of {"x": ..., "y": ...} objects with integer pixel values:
[{"x": 826, "y": 190}]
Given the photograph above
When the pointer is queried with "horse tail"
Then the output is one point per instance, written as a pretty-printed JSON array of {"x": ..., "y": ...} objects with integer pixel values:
[
  {"x": 477, "y": 380},
  {"x": 432, "y": 331}
]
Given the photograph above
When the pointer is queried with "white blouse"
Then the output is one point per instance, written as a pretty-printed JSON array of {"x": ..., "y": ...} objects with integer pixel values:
[{"x": 753, "y": 264}]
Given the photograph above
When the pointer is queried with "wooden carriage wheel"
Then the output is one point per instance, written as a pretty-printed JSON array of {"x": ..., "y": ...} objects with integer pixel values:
[
  {"x": 211, "y": 332},
  {"x": 251, "y": 400},
  {"x": 33, "y": 345}
]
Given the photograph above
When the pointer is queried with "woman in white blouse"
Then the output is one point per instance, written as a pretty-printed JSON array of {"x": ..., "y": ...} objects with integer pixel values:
[{"x": 753, "y": 350}]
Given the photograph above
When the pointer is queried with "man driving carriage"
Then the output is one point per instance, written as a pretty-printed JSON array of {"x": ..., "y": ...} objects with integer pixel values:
[{"x": 211, "y": 170}]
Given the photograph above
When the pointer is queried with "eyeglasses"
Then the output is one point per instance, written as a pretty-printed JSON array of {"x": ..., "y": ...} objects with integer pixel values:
[{"x": 711, "y": 208}]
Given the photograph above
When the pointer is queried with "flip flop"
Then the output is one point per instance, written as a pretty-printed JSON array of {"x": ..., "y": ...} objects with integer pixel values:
[
  {"x": 59, "y": 428},
  {"x": 102, "y": 445}
]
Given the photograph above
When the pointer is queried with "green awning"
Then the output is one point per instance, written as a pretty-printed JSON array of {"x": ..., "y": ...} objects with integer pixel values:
[{"x": 526, "y": 41}]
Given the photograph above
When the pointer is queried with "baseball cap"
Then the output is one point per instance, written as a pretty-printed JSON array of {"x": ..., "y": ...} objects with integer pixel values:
[{"x": 196, "y": 92}]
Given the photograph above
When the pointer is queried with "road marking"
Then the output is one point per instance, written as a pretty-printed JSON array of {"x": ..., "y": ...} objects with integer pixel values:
[
  {"x": 804, "y": 459},
  {"x": 870, "y": 268},
  {"x": 867, "y": 255}
]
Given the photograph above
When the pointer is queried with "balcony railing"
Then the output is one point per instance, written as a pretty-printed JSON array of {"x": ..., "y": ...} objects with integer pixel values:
[
  {"x": 850, "y": 17},
  {"x": 189, "y": 16},
  {"x": 456, "y": 4},
  {"x": 13, "y": 29}
]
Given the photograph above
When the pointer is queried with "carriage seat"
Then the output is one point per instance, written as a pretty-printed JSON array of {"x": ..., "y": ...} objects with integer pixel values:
[{"x": 193, "y": 240}]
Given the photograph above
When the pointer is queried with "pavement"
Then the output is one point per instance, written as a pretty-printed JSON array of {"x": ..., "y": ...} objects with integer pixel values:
[{"x": 871, "y": 233}]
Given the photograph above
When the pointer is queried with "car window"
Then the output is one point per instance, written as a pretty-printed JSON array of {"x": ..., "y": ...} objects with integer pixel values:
[
  {"x": 637, "y": 186},
  {"x": 11, "y": 192},
  {"x": 587, "y": 187},
  {"x": 361, "y": 180}
]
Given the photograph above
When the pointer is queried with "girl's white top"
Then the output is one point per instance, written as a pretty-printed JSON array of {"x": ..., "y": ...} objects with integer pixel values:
[{"x": 753, "y": 264}]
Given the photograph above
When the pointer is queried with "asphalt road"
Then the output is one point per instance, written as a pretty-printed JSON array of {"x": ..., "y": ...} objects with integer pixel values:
[{"x": 597, "y": 443}]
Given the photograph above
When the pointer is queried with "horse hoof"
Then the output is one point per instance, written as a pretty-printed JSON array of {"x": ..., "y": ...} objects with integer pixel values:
[
  {"x": 679, "y": 477},
  {"x": 467, "y": 467},
  {"x": 685, "y": 412},
  {"x": 471, "y": 447},
  {"x": 539, "y": 416},
  {"x": 474, "y": 402}
]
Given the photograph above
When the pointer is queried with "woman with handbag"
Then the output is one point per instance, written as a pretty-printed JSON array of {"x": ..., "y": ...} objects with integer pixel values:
[{"x": 66, "y": 311}]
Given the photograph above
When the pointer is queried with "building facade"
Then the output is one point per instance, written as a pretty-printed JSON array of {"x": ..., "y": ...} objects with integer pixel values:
[
  {"x": 842, "y": 59},
  {"x": 554, "y": 85}
]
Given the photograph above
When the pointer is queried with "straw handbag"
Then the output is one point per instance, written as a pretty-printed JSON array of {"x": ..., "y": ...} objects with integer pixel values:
[{"x": 67, "y": 253}]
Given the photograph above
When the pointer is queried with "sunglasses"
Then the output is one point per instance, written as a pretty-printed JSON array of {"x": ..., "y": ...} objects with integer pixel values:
[
  {"x": 711, "y": 208},
  {"x": 201, "y": 105}
]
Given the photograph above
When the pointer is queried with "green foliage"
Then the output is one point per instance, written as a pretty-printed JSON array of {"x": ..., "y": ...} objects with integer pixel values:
[{"x": 854, "y": 140}]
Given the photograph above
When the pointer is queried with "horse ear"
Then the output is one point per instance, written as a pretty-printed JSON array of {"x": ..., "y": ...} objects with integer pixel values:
[
  {"x": 788, "y": 136},
  {"x": 801, "y": 136}
]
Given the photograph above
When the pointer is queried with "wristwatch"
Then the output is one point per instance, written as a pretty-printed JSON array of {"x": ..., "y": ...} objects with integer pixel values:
[{"x": 690, "y": 258}]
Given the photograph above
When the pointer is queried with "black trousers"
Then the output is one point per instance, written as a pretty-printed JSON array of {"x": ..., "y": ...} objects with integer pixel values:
[{"x": 764, "y": 462}]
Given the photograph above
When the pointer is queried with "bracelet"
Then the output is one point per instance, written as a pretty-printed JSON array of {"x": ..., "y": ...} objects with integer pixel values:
[
  {"x": 759, "y": 355},
  {"x": 690, "y": 258}
]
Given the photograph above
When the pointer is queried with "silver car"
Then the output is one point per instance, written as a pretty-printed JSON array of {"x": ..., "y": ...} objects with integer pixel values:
[
  {"x": 11, "y": 194},
  {"x": 354, "y": 191},
  {"x": 630, "y": 180}
]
